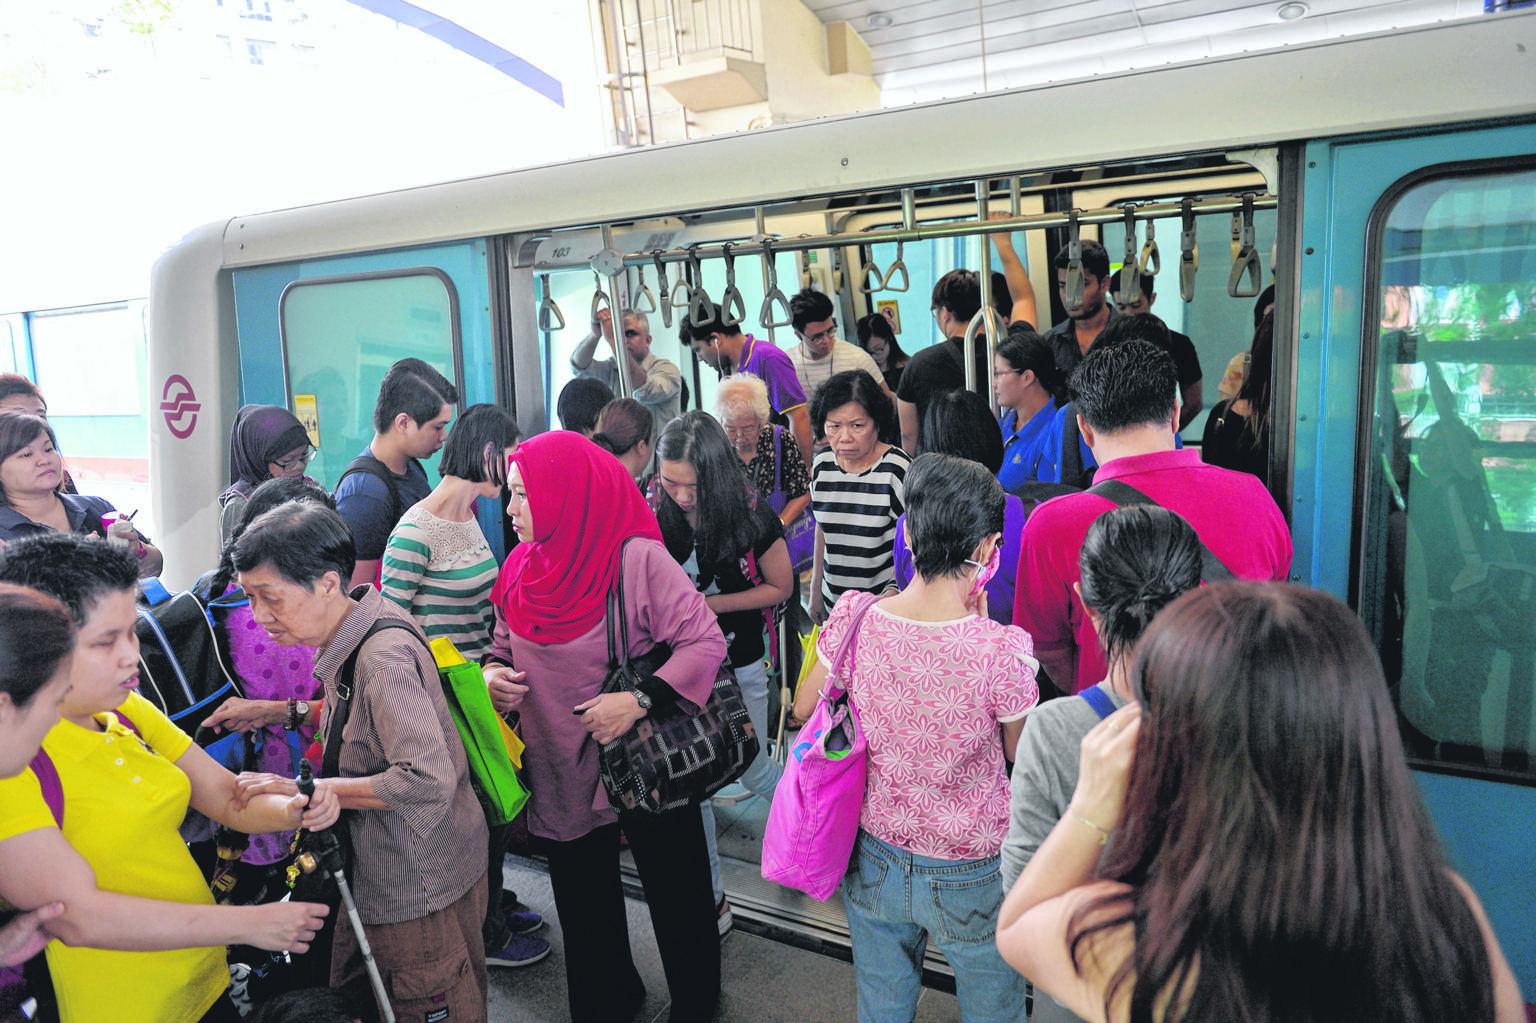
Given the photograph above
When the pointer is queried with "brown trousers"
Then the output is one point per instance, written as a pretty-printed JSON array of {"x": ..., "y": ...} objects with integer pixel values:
[{"x": 433, "y": 967}]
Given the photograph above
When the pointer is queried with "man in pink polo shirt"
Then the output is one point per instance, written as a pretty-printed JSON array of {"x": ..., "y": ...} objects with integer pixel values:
[{"x": 1128, "y": 411}]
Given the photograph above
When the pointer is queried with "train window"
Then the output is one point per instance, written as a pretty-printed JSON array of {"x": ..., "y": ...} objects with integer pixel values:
[
  {"x": 1449, "y": 544},
  {"x": 341, "y": 335}
]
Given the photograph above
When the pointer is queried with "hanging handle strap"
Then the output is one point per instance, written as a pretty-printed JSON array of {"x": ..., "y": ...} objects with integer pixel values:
[
  {"x": 700, "y": 309},
  {"x": 1151, "y": 261},
  {"x": 1130, "y": 270},
  {"x": 900, "y": 266},
  {"x": 1246, "y": 258},
  {"x": 1072, "y": 287},
  {"x": 732, "y": 308},
  {"x": 550, "y": 317},
  {"x": 1189, "y": 251},
  {"x": 765, "y": 314},
  {"x": 600, "y": 297},
  {"x": 665, "y": 300}
]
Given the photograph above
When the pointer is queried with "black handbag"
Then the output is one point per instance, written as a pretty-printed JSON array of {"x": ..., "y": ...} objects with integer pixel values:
[{"x": 670, "y": 758}]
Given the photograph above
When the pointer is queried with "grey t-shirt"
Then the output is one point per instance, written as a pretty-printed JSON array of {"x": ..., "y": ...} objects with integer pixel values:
[{"x": 1045, "y": 775}]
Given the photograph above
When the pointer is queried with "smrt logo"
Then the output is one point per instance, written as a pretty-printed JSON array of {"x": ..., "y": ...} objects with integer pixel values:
[{"x": 179, "y": 406}]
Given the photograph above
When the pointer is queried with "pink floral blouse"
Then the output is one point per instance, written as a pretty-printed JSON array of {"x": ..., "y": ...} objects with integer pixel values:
[{"x": 930, "y": 697}]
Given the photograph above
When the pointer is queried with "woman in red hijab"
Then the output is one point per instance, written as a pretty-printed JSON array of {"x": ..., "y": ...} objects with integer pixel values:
[{"x": 573, "y": 506}]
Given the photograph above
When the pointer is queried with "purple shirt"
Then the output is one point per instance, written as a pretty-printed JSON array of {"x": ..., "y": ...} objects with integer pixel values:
[
  {"x": 1000, "y": 587},
  {"x": 566, "y": 800},
  {"x": 770, "y": 362}
]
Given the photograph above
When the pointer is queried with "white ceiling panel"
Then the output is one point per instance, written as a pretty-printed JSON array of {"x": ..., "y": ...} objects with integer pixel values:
[{"x": 934, "y": 48}]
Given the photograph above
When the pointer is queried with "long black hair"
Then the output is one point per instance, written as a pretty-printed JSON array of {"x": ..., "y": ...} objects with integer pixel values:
[
  {"x": 1280, "y": 861},
  {"x": 727, "y": 528}
]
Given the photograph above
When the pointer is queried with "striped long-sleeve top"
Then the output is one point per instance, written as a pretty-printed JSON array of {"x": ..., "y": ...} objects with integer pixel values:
[
  {"x": 442, "y": 573},
  {"x": 857, "y": 515}
]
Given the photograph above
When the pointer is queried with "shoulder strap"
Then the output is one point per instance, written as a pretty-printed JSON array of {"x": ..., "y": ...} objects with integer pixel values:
[
  {"x": 1211, "y": 568},
  {"x": 48, "y": 781},
  {"x": 618, "y": 624},
  {"x": 1099, "y": 700},
  {"x": 778, "y": 458},
  {"x": 847, "y": 646},
  {"x": 375, "y": 467},
  {"x": 48, "y": 775},
  {"x": 336, "y": 717}
]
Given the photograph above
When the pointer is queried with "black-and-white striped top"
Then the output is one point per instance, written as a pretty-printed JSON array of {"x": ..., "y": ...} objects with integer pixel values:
[{"x": 857, "y": 514}]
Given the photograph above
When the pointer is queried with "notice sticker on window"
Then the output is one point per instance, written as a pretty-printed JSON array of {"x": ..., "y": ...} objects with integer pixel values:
[{"x": 308, "y": 413}]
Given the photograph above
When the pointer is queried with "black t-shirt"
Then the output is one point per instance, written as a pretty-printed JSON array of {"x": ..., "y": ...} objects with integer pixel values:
[
  {"x": 1183, "y": 351},
  {"x": 938, "y": 369},
  {"x": 743, "y": 629}
]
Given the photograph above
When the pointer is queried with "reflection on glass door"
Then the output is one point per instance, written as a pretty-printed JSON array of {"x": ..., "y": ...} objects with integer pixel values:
[{"x": 1450, "y": 541}]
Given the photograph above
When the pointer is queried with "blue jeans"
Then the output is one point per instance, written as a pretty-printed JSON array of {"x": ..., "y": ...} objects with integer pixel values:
[
  {"x": 895, "y": 900},
  {"x": 763, "y": 776}
]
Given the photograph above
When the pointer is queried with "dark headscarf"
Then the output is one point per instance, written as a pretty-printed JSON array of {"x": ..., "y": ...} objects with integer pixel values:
[
  {"x": 261, "y": 434},
  {"x": 554, "y": 587}
]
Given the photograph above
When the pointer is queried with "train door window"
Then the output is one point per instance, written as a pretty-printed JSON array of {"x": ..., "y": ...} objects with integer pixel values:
[
  {"x": 1220, "y": 326},
  {"x": 341, "y": 335},
  {"x": 1448, "y": 572}
]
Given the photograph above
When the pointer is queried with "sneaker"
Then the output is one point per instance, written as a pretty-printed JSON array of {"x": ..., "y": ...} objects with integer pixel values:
[
  {"x": 522, "y": 923},
  {"x": 519, "y": 951},
  {"x": 732, "y": 794},
  {"x": 726, "y": 921}
]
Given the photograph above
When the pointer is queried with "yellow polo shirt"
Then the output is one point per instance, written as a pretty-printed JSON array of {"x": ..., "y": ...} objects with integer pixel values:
[{"x": 122, "y": 805}]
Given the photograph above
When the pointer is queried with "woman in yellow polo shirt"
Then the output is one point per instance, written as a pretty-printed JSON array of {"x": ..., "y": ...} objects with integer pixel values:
[{"x": 140, "y": 940}]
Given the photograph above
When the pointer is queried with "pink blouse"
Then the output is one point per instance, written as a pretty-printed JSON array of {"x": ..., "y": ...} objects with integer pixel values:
[
  {"x": 565, "y": 798},
  {"x": 930, "y": 697}
]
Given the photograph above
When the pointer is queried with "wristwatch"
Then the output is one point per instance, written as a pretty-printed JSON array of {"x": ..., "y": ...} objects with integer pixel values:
[
  {"x": 298, "y": 710},
  {"x": 643, "y": 700}
]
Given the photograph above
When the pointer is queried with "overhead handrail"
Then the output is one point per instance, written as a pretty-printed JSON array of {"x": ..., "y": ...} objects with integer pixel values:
[
  {"x": 1150, "y": 257},
  {"x": 1207, "y": 206},
  {"x": 550, "y": 317},
  {"x": 1130, "y": 270},
  {"x": 1189, "y": 251},
  {"x": 1247, "y": 258},
  {"x": 1072, "y": 287},
  {"x": 765, "y": 314},
  {"x": 891, "y": 271},
  {"x": 661, "y": 288},
  {"x": 600, "y": 297},
  {"x": 988, "y": 321},
  {"x": 871, "y": 279},
  {"x": 732, "y": 298},
  {"x": 700, "y": 309},
  {"x": 645, "y": 302}
]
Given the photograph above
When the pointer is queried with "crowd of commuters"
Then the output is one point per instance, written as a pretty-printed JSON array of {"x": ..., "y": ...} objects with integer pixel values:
[{"x": 1113, "y": 845}]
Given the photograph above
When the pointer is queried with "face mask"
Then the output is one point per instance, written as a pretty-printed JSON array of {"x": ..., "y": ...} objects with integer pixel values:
[{"x": 984, "y": 573}]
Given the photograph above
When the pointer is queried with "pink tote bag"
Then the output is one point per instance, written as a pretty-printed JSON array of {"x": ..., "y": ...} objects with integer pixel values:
[{"x": 813, "y": 821}]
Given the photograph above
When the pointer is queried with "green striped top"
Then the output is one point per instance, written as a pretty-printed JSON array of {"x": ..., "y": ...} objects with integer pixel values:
[{"x": 442, "y": 573}]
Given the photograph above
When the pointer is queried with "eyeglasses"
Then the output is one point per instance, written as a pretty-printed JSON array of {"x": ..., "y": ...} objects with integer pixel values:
[
  {"x": 830, "y": 334},
  {"x": 742, "y": 431},
  {"x": 297, "y": 461}
]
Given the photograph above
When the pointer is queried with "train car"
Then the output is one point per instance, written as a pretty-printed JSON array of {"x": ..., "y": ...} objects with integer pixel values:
[{"x": 1393, "y": 201}]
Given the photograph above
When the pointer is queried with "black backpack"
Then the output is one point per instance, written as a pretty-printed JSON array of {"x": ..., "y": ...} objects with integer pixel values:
[{"x": 367, "y": 463}]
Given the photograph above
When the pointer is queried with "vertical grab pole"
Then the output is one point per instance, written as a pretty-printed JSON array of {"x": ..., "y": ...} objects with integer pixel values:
[{"x": 972, "y": 380}]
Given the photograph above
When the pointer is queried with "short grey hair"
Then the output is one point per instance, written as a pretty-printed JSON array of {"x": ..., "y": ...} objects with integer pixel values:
[{"x": 742, "y": 394}]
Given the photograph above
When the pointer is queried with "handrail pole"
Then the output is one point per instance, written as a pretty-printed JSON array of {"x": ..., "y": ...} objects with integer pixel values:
[
  {"x": 618, "y": 288},
  {"x": 928, "y": 232}
]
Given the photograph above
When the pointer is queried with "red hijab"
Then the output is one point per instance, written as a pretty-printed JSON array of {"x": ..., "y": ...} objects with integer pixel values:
[{"x": 554, "y": 588}]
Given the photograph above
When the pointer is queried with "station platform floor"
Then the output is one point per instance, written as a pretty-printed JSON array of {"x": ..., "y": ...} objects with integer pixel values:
[{"x": 764, "y": 979}]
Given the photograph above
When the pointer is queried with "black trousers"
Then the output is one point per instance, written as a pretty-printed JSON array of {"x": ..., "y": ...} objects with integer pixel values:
[{"x": 669, "y": 851}]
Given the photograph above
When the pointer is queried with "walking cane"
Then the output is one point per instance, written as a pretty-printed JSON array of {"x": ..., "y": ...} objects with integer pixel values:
[{"x": 328, "y": 846}]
